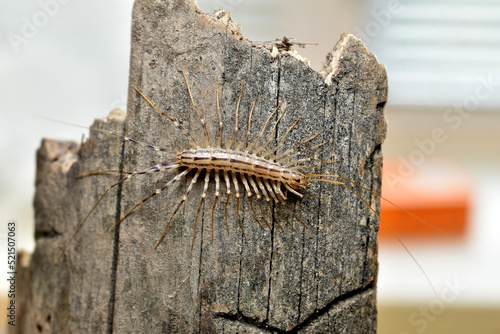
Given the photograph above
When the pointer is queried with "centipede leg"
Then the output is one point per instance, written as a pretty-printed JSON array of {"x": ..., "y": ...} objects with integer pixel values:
[
  {"x": 221, "y": 124},
  {"x": 237, "y": 194},
  {"x": 156, "y": 168},
  {"x": 277, "y": 201},
  {"x": 244, "y": 141},
  {"x": 202, "y": 120},
  {"x": 254, "y": 214},
  {"x": 296, "y": 215},
  {"x": 225, "y": 212},
  {"x": 196, "y": 221},
  {"x": 289, "y": 151},
  {"x": 268, "y": 200},
  {"x": 277, "y": 189},
  {"x": 217, "y": 185},
  {"x": 263, "y": 215},
  {"x": 203, "y": 196},
  {"x": 157, "y": 192},
  {"x": 286, "y": 217},
  {"x": 228, "y": 191},
  {"x": 236, "y": 128},
  {"x": 261, "y": 133},
  {"x": 276, "y": 219},
  {"x": 259, "y": 149},
  {"x": 249, "y": 193},
  {"x": 173, "y": 120},
  {"x": 103, "y": 172},
  {"x": 288, "y": 164},
  {"x": 282, "y": 143},
  {"x": 293, "y": 190},
  {"x": 184, "y": 198},
  {"x": 257, "y": 193}
]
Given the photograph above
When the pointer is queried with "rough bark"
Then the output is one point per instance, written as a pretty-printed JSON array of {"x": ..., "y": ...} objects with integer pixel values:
[{"x": 315, "y": 280}]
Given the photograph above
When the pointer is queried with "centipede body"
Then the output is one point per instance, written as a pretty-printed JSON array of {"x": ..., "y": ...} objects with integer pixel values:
[{"x": 260, "y": 174}]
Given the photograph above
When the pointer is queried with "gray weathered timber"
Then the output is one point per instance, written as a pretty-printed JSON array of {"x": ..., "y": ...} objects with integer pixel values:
[
  {"x": 74, "y": 296},
  {"x": 315, "y": 280}
]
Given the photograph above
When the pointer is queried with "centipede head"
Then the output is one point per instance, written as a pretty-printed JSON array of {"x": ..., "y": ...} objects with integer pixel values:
[{"x": 297, "y": 180}]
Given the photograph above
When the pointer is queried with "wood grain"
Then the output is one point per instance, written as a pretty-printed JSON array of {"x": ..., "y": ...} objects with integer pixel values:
[{"x": 315, "y": 280}]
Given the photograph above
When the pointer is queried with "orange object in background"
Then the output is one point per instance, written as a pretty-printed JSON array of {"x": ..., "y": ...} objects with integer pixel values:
[{"x": 437, "y": 191}]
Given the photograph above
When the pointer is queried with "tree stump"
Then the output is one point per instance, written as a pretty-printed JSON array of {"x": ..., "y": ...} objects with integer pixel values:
[{"x": 317, "y": 279}]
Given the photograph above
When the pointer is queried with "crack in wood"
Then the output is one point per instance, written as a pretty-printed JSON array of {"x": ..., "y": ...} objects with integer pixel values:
[{"x": 311, "y": 318}]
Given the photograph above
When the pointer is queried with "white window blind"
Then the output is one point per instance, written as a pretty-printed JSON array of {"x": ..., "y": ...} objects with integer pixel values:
[{"x": 438, "y": 52}]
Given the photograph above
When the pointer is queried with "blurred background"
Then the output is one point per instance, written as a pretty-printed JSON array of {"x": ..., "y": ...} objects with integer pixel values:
[{"x": 68, "y": 60}]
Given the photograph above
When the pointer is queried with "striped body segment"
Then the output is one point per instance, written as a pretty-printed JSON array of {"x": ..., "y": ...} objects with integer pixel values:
[{"x": 229, "y": 160}]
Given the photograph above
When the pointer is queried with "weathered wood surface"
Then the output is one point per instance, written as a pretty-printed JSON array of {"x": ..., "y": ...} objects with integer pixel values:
[{"x": 316, "y": 280}]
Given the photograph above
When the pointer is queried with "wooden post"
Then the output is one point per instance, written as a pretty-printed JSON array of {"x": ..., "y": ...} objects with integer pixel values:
[{"x": 315, "y": 280}]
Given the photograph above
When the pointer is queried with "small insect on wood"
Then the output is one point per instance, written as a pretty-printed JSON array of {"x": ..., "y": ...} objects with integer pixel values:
[
  {"x": 263, "y": 281},
  {"x": 261, "y": 170},
  {"x": 185, "y": 127},
  {"x": 269, "y": 173}
]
